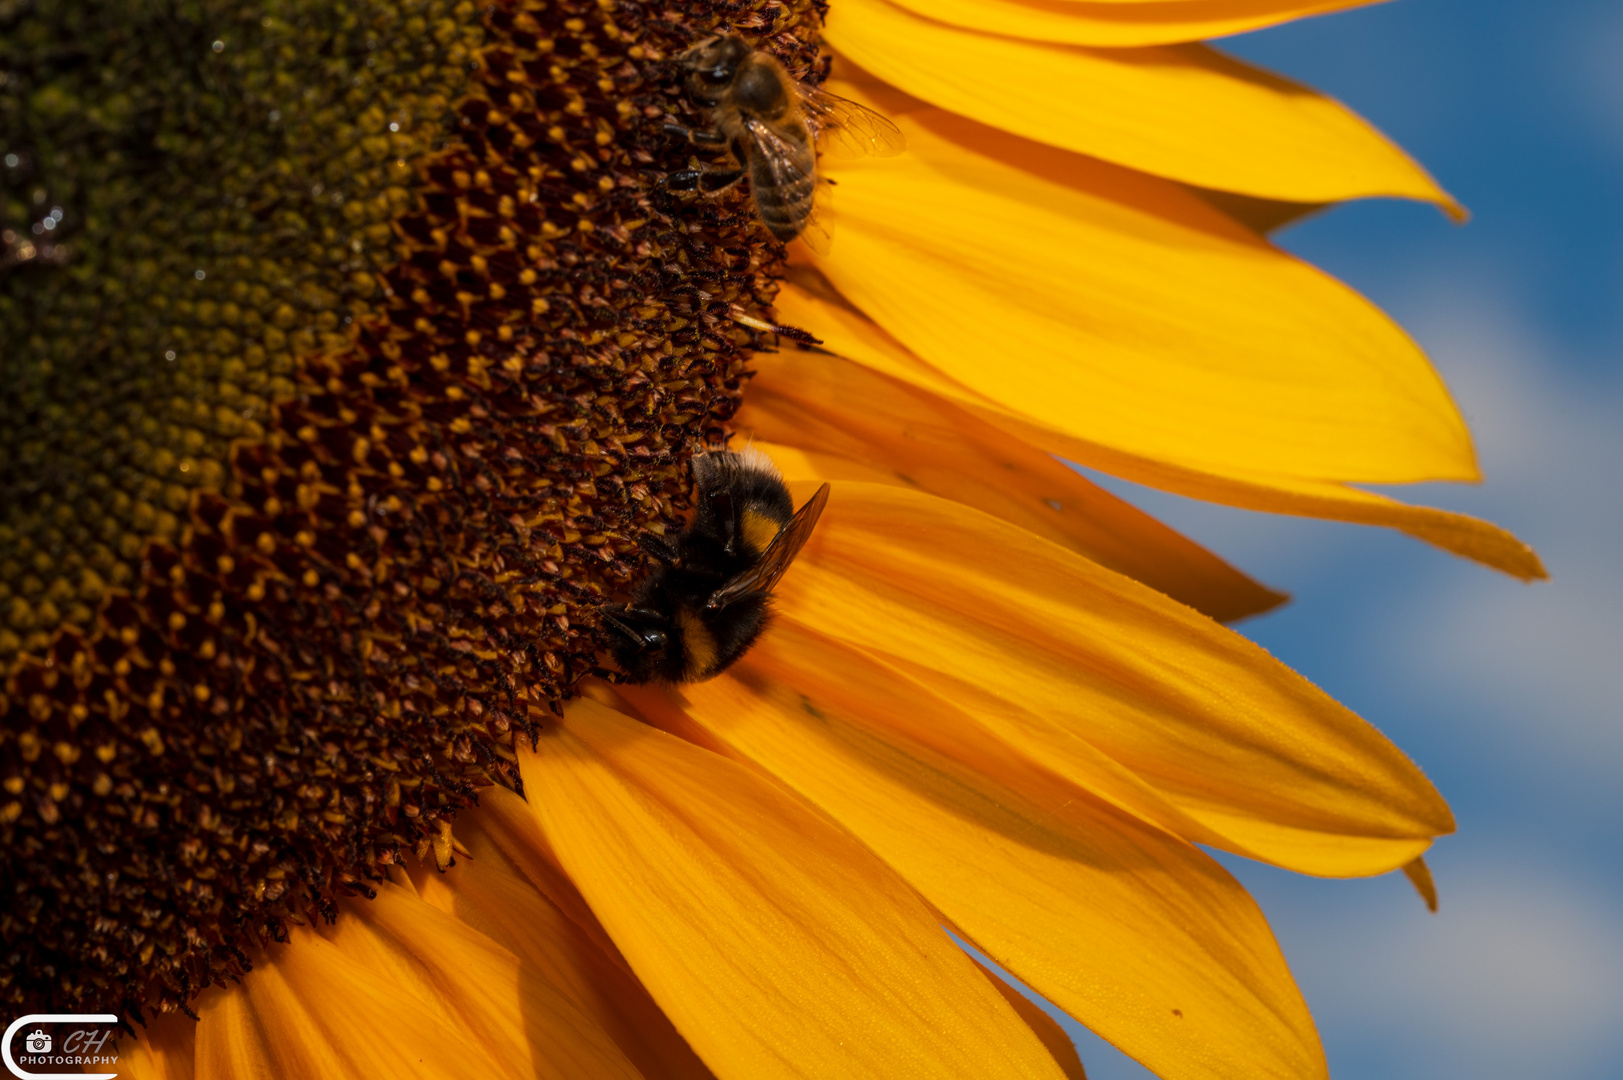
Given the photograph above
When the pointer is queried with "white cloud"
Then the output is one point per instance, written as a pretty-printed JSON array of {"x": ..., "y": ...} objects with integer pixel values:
[
  {"x": 1545, "y": 663},
  {"x": 1586, "y": 63},
  {"x": 1521, "y": 974}
]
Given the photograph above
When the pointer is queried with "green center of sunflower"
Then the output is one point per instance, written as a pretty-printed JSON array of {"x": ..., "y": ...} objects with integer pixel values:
[{"x": 347, "y": 349}]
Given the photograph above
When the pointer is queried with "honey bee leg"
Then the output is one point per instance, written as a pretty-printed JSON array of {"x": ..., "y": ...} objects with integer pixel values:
[
  {"x": 715, "y": 181},
  {"x": 709, "y": 181},
  {"x": 692, "y": 135},
  {"x": 686, "y": 180}
]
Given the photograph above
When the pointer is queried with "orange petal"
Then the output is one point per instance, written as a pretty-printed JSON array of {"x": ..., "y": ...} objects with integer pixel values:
[
  {"x": 1461, "y": 534},
  {"x": 1132, "y": 931},
  {"x": 980, "y": 612},
  {"x": 518, "y": 1010},
  {"x": 852, "y": 422},
  {"x": 1260, "y": 215},
  {"x": 1160, "y": 22},
  {"x": 1419, "y": 875},
  {"x": 1185, "y": 112},
  {"x": 398, "y": 988},
  {"x": 1045, "y": 1027},
  {"x": 807, "y": 300},
  {"x": 775, "y": 943},
  {"x": 1128, "y": 312},
  {"x": 163, "y": 1050},
  {"x": 962, "y": 728},
  {"x": 507, "y": 821},
  {"x": 486, "y": 892},
  {"x": 313, "y": 1011}
]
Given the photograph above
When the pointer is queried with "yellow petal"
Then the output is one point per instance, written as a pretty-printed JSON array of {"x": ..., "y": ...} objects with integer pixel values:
[
  {"x": 487, "y": 892},
  {"x": 976, "y": 609},
  {"x": 398, "y": 988},
  {"x": 973, "y": 731},
  {"x": 1185, "y": 111},
  {"x": 507, "y": 821},
  {"x": 163, "y": 1050},
  {"x": 314, "y": 1012},
  {"x": 1461, "y": 534},
  {"x": 1132, "y": 931},
  {"x": 1130, "y": 313},
  {"x": 1161, "y": 22},
  {"x": 775, "y": 943},
  {"x": 1419, "y": 875},
  {"x": 1045, "y": 1027},
  {"x": 807, "y": 300},
  {"x": 1260, "y": 215},
  {"x": 853, "y": 423},
  {"x": 528, "y": 1021}
]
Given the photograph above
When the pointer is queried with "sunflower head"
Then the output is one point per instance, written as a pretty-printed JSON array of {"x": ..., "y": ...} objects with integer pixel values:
[{"x": 348, "y": 349}]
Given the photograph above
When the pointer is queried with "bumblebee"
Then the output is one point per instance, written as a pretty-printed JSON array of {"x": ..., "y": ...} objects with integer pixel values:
[
  {"x": 770, "y": 124},
  {"x": 708, "y": 595}
]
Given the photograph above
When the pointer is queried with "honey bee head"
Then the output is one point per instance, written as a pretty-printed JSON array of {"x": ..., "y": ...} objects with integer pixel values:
[{"x": 712, "y": 64}]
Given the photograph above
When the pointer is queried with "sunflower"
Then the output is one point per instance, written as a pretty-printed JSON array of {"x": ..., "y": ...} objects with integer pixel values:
[{"x": 355, "y": 346}]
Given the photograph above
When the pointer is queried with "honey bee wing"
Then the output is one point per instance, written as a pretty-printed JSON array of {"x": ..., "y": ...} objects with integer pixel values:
[
  {"x": 793, "y": 167},
  {"x": 818, "y": 232},
  {"x": 763, "y": 576},
  {"x": 855, "y": 129}
]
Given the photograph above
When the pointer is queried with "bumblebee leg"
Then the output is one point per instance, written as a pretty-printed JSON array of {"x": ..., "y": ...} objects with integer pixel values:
[
  {"x": 659, "y": 549},
  {"x": 644, "y": 613},
  {"x": 610, "y": 621},
  {"x": 647, "y": 639},
  {"x": 725, "y": 515}
]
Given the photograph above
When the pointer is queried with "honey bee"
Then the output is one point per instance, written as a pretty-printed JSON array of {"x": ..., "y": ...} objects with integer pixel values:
[
  {"x": 707, "y": 598},
  {"x": 770, "y": 123}
]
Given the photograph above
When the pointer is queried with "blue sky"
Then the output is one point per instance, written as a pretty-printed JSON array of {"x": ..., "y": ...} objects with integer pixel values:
[{"x": 1510, "y": 696}]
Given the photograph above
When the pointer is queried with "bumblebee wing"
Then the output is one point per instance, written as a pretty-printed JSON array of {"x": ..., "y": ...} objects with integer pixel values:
[
  {"x": 764, "y": 575},
  {"x": 854, "y": 129}
]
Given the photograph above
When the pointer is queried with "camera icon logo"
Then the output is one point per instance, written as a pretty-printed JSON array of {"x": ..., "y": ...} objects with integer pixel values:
[{"x": 38, "y": 1042}]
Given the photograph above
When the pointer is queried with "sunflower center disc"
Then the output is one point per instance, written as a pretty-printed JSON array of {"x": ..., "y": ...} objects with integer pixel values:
[{"x": 347, "y": 351}]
